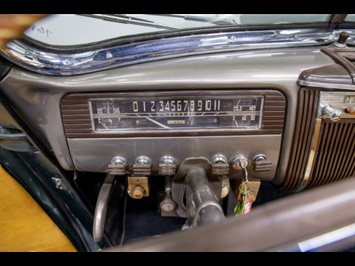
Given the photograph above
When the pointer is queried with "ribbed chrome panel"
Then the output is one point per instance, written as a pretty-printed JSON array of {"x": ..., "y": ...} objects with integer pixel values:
[
  {"x": 335, "y": 156},
  {"x": 323, "y": 150},
  {"x": 306, "y": 114}
]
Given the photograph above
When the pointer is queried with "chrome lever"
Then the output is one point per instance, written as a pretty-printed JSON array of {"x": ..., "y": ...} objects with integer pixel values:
[{"x": 101, "y": 207}]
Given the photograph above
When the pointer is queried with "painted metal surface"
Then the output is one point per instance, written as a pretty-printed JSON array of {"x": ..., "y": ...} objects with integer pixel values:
[
  {"x": 36, "y": 97},
  {"x": 253, "y": 60}
]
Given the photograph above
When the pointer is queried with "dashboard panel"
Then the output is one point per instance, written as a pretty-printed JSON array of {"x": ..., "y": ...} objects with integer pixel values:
[
  {"x": 228, "y": 73},
  {"x": 177, "y": 125},
  {"x": 181, "y": 131}
]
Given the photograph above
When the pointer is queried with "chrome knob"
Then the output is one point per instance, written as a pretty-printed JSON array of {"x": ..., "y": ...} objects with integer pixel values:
[
  {"x": 117, "y": 166},
  {"x": 117, "y": 160},
  {"x": 333, "y": 114},
  {"x": 219, "y": 158},
  {"x": 142, "y": 166},
  {"x": 143, "y": 160},
  {"x": 167, "y": 159}
]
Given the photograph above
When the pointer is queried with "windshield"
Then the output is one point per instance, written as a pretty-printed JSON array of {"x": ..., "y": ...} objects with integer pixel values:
[{"x": 80, "y": 29}]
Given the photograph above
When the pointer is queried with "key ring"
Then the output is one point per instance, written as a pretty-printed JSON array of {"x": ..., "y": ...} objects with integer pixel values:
[{"x": 245, "y": 191}]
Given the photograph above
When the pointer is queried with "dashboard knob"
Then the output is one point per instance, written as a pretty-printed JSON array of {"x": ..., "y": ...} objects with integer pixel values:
[
  {"x": 138, "y": 192},
  {"x": 220, "y": 165},
  {"x": 167, "y": 159},
  {"x": 261, "y": 163},
  {"x": 341, "y": 42},
  {"x": 143, "y": 160},
  {"x": 219, "y": 158},
  {"x": 117, "y": 166},
  {"x": 350, "y": 110},
  {"x": 167, "y": 165},
  {"x": 142, "y": 166},
  {"x": 333, "y": 114}
]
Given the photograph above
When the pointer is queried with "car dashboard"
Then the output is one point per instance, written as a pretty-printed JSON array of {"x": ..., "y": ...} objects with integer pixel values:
[{"x": 167, "y": 143}]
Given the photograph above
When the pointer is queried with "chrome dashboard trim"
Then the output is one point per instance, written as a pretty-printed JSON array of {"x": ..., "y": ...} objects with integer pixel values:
[
  {"x": 74, "y": 63},
  {"x": 311, "y": 155},
  {"x": 326, "y": 85}
]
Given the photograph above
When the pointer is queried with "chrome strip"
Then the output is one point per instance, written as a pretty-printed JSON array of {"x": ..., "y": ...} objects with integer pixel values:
[
  {"x": 311, "y": 154},
  {"x": 326, "y": 85},
  {"x": 55, "y": 63},
  {"x": 327, "y": 238}
]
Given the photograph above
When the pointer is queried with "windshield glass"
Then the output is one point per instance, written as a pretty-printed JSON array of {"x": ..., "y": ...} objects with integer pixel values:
[
  {"x": 350, "y": 18},
  {"x": 80, "y": 29}
]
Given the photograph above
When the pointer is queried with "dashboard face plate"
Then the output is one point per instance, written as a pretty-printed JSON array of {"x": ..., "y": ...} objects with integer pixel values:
[
  {"x": 173, "y": 113},
  {"x": 176, "y": 113},
  {"x": 178, "y": 123},
  {"x": 95, "y": 154}
]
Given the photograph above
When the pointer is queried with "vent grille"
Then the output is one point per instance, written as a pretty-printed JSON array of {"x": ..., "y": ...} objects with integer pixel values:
[
  {"x": 75, "y": 112},
  {"x": 335, "y": 157},
  {"x": 306, "y": 114}
]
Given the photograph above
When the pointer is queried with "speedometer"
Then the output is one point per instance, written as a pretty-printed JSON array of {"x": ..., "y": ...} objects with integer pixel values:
[{"x": 191, "y": 113}]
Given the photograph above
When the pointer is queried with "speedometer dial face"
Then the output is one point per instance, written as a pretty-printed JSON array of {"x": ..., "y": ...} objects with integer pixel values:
[{"x": 193, "y": 113}]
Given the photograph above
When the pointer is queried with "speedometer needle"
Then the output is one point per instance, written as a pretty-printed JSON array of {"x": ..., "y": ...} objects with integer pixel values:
[{"x": 154, "y": 121}]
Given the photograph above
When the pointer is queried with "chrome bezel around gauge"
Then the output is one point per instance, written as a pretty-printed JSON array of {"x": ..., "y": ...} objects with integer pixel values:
[
  {"x": 191, "y": 113},
  {"x": 81, "y": 113}
]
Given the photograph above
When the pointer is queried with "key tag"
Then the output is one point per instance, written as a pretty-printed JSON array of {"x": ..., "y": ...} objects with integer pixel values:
[{"x": 245, "y": 201}]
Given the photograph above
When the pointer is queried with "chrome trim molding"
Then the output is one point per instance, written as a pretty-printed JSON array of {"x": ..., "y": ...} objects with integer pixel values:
[
  {"x": 329, "y": 238},
  {"x": 55, "y": 63},
  {"x": 326, "y": 85},
  {"x": 311, "y": 155}
]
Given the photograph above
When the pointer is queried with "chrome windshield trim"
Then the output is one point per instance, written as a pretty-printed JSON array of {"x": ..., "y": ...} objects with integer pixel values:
[{"x": 66, "y": 64}]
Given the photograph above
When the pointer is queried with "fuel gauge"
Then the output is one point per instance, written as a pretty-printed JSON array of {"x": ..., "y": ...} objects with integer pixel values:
[
  {"x": 107, "y": 123},
  {"x": 105, "y": 112},
  {"x": 248, "y": 112}
]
